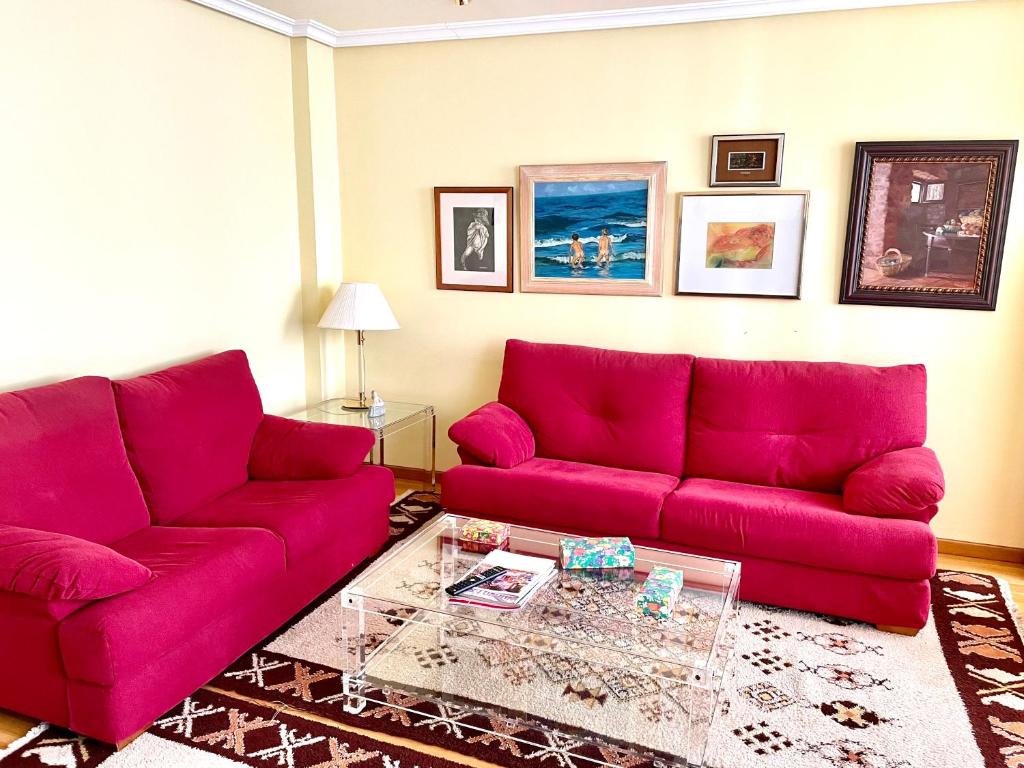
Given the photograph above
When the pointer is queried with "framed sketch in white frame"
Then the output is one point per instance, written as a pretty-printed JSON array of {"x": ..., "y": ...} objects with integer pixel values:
[
  {"x": 595, "y": 229},
  {"x": 747, "y": 160},
  {"x": 745, "y": 244}
]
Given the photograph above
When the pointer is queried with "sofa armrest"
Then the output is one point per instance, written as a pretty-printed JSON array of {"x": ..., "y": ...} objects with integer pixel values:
[
  {"x": 52, "y": 566},
  {"x": 906, "y": 484},
  {"x": 495, "y": 435},
  {"x": 287, "y": 449}
]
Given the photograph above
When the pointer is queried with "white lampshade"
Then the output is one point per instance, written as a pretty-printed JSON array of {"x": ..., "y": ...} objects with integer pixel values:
[{"x": 358, "y": 307}]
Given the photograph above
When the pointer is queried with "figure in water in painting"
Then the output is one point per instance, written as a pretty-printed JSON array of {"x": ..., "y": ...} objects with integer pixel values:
[
  {"x": 576, "y": 252},
  {"x": 477, "y": 237},
  {"x": 604, "y": 249}
]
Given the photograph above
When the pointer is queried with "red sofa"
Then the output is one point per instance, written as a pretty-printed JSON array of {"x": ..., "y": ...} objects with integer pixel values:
[
  {"x": 812, "y": 475},
  {"x": 154, "y": 529}
]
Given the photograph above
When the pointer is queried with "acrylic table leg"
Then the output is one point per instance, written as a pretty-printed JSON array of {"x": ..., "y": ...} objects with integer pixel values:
[{"x": 433, "y": 451}]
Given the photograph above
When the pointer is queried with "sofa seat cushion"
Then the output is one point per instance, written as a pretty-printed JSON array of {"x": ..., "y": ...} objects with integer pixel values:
[
  {"x": 795, "y": 526},
  {"x": 549, "y": 493},
  {"x": 189, "y": 430},
  {"x": 63, "y": 466},
  {"x": 303, "y": 513},
  {"x": 200, "y": 574}
]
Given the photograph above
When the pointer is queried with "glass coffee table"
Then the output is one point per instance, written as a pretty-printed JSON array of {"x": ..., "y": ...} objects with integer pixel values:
[{"x": 574, "y": 670}]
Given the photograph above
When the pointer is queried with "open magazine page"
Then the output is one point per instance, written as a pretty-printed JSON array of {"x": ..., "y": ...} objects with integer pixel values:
[{"x": 510, "y": 589}]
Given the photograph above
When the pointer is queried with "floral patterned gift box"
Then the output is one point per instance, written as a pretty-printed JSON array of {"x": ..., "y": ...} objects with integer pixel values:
[
  {"x": 483, "y": 536},
  {"x": 605, "y": 552},
  {"x": 660, "y": 592}
]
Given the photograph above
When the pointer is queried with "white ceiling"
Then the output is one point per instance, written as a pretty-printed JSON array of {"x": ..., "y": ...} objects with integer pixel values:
[{"x": 375, "y": 14}]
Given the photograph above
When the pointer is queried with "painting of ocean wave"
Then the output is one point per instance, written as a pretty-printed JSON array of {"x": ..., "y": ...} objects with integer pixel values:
[{"x": 591, "y": 229}]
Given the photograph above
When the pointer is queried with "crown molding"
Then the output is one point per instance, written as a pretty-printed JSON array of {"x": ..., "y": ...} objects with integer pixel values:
[{"x": 653, "y": 16}]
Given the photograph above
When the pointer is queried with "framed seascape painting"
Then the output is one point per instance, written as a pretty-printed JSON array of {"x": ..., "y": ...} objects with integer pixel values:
[
  {"x": 473, "y": 238},
  {"x": 747, "y": 160},
  {"x": 927, "y": 223},
  {"x": 591, "y": 228},
  {"x": 741, "y": 244}
]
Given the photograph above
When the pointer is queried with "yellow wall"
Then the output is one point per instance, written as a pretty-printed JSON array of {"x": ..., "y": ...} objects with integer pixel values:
[
  {"x": 147, "y": 193},
  {"x": 468, "y": 113}
]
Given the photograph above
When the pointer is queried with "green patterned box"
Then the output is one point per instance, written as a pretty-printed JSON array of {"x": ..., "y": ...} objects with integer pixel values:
[
  {"x": 605, "y": 552},
  {"x": 660, "y": 592}
]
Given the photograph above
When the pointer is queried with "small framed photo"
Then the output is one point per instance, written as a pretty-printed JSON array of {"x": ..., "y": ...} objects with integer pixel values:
[
  {"x": 747, "y": 244},
  {"x": 747, "y": 160},
  {"x": 927, "y": 222},
  {"x": 473, "y": 238}
]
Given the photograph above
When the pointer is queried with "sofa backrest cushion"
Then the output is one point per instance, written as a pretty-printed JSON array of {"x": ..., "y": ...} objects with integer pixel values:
[
  {"x": 798, "y": 424},
  {"x": 63, "y": 466},
  {"x": 189, "y": 430},
  {"x": 599, "y": 406}
]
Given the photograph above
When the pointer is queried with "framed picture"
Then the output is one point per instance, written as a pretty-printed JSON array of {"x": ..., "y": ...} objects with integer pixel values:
[
  {"x": 746, "y": 244},
  {"x": 927, "y": 222},
  {"x": 591, "y": 228},
  {"x": 748, "y": 160},
  {"x": 473, "y": 238}
]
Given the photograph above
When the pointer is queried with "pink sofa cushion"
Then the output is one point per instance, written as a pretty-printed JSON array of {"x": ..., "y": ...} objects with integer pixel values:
[
  {"x": 797, "y": 424},
  {"x": 189, "y": 430},
  {"x": 797, "y": 527},
  {"x": 907, "y": 484},
  {"x": 288, "y": 449},
  {"x": 63, "y": 466},
  {"x": 303, "y": 513},
  {"x": 494, "y": 434},
  {"x": 561, "y": 495},
  {"x": 200, "y": 575},
  {"x": 52, "y": 566},
  {"x": 599, "y": 406}
]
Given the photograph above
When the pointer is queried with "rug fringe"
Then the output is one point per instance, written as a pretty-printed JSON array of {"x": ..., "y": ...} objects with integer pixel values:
[
  {"x": 17, "y": 744},
  {"x": 1004, "y": 588}
]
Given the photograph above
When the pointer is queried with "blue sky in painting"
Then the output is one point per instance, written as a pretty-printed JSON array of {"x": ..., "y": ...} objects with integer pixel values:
[{"x": 566, "y": 188}]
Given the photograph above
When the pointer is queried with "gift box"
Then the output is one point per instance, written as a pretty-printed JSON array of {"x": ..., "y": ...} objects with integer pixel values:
[
  {"x": 660, "y": 592},
  {"x": 605, "y": 552},
  {"x": 483, "y": 536}
]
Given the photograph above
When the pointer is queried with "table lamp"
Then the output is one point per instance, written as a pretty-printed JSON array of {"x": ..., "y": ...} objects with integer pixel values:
[{"x": 358, "y": 307}]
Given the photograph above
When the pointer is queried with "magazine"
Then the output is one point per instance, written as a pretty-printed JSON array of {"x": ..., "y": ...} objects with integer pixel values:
[{"x": 511, "y": 589}]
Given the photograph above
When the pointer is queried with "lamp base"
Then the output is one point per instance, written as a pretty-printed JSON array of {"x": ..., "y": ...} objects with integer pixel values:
[{"x": 353, "y": 404}]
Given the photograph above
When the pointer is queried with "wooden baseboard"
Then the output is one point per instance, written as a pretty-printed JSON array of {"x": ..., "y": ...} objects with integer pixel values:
[
  {"x": 417, "y": 474},
  {"x": 981, "y": 551}
]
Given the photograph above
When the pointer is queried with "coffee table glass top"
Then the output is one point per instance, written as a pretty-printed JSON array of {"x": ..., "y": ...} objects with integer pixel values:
[
  {"x": 588, "y": 613},
  {"x": 575, "y": 667}
]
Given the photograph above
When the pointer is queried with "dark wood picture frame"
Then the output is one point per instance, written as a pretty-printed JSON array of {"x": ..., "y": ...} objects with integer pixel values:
[
  {"x": 772, "y": 145},
  {"x": 1001, "y": 155},
  {"x": 507, "y": 287}
]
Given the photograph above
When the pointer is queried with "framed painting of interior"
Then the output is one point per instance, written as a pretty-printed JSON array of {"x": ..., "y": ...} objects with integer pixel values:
[
  {"x": 595, "y": 229},
  {"x": 473, "y": 238},
  {"x": 927, "y": 223},
  {"x": 747, "y": 160}
]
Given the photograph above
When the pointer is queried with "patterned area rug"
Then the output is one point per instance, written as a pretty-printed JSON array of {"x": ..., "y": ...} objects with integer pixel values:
[{"x": 808, "y": 691}]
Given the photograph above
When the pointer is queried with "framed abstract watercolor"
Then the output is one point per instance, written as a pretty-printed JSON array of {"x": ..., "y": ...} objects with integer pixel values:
[
  {"x": 747, "y": 160},
  {"x": 927, "y": 223},
  {"x": 592, "y": 228},
  {"x": 747, "y": 244},
  {"x": 473, "y": 238}
]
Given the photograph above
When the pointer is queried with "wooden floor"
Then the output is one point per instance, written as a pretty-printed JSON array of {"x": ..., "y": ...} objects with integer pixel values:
[{"x": 13, "y": 727}]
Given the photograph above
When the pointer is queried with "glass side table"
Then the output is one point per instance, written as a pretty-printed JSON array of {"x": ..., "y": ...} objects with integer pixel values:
[{"x": 396, "y": 418}]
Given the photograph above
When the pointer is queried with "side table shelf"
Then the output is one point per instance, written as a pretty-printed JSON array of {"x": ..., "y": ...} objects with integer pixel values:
[{"x": 396, "y": 418}]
